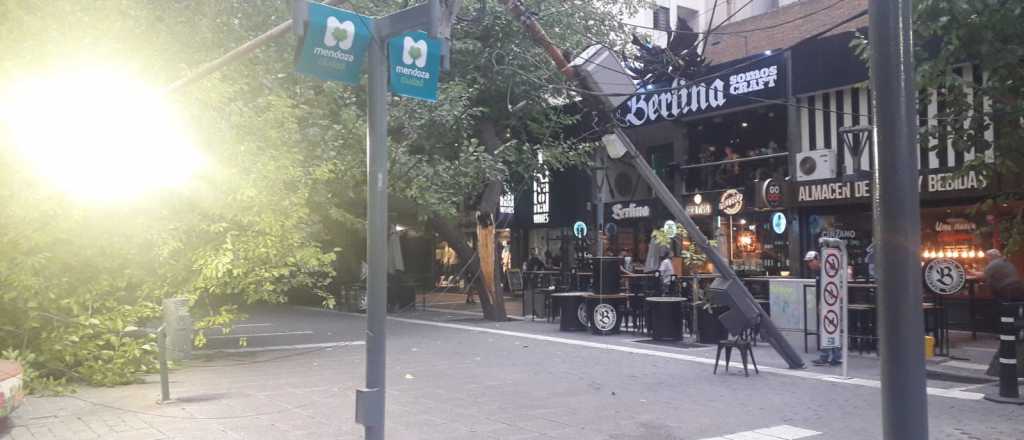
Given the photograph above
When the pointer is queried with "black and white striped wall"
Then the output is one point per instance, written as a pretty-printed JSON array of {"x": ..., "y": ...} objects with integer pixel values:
[{"x": 823, "y": 113}]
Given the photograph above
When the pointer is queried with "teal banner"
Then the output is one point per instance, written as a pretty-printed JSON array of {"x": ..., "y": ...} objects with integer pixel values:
[
  {"x": 335, "y": 45},
  {"x": 415, "y": 63}
]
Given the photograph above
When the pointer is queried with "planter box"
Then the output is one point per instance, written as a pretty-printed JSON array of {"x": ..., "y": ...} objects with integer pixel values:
[{"x": 11, "y": 390}]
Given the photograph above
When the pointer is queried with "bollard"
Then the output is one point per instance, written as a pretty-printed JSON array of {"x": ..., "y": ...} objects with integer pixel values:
[
  {"x": 165, "y": 382},
  {"x": 1008, "y": 390}
]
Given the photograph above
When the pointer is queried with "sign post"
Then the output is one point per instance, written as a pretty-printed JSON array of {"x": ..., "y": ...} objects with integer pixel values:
[
  {"x": 334, "y": 47},
  {"x": 834, "y": 288}
]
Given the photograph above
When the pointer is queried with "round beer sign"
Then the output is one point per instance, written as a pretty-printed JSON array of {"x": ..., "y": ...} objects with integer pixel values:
[
  {"x": 731, "y": 202},
  {"x": 605, "y": 317},
  {"x": 944, "y": 276}
]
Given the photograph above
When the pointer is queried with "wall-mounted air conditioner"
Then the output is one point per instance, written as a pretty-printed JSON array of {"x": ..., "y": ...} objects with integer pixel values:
[{"x": 815, "y": 165}]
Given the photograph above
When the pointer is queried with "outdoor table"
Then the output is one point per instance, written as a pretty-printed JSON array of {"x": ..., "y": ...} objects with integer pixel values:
[
  {"x": 573, "y": 310},
  {"x": 862, "y": 327},
  {"x": 640, "y": 277},
  {"x": 605, "y": 313},
  {"x": 666, "y": 318},
  {"x": 537, "y": 286}
]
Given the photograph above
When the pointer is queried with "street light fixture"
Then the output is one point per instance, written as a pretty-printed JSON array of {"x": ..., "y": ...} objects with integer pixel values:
[{"x": 98, "y": 134}]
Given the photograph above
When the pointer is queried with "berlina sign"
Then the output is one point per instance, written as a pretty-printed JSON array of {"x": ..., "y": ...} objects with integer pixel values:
[{"x": 731, "y": 202}]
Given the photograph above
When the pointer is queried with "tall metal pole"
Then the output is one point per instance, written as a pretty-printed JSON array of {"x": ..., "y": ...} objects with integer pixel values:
[
  {"x": 376, "y": 234},
  {"x": 897, "y": 222}
]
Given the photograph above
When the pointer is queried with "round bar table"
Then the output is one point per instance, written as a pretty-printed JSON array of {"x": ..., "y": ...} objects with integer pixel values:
[
  {"x": 573, "y": 310},
  {"x": 605, "y": 313},
  {"x": 666, "y": 314}
]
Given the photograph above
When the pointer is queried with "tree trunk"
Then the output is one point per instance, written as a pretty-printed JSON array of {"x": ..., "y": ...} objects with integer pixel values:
[
  {"x": 469, "y": 264},
  {"x": 485, "y": 227}
]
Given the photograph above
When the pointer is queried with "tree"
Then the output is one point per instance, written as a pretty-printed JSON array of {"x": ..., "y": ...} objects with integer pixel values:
[
  {"x": 986, "y": 32},
  {"x": 500, "y": 109},
  {"x": 76, "y": 279}
]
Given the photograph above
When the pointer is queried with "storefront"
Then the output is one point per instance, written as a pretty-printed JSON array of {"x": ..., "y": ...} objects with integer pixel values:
[
  {"x": 716, "y": 145},
  {"x": 545, "y": 215},
  {"x": 629, "y": 225}
]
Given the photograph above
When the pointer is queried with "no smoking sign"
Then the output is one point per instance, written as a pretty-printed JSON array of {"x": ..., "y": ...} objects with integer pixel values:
[
  {"x": 832, "y": 294},
  {"x": 832, "y": 265}
]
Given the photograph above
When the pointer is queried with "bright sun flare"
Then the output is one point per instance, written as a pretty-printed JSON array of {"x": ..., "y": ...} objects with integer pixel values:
[{"x": 98, "y": 134}]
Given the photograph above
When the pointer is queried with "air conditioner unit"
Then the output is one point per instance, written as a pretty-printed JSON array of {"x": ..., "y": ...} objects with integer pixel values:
[{"x": 816, "y": 165}]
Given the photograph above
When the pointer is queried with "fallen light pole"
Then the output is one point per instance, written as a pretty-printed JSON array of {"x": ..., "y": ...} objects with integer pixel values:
[{"x": 606, "y": 85}]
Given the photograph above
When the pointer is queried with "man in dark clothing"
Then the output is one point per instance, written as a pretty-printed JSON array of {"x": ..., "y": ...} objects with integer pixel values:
[
  {"x": 1005, "y": 284},
  {"x": 1002, "y": 277}
]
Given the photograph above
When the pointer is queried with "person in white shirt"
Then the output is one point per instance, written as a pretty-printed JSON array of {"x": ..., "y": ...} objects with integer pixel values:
[{"x": 666, "y": 270}]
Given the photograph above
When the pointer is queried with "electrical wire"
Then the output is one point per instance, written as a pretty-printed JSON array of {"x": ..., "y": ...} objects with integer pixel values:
[
  {"x": 763, "y": 28},
  {"x": 697, "y": 82}
]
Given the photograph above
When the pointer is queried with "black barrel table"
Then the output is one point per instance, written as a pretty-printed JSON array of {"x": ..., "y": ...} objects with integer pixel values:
[
  {"x": 572, "y": 307},
  {"x": 605, "y": 313},
  {"x": 666, "y": 318}
]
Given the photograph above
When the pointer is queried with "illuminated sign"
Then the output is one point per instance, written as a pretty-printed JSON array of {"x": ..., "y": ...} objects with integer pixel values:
[{"x": 541, "y": 195}]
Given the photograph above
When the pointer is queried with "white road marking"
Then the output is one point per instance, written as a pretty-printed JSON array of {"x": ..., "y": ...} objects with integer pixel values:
[
  {"x": 781, "y": 432},
  {"x": 967, "y": 365},
  {"x": 468, "y": 313},
  {"x": 306, "y": 332},
  {"x": 250, "y": 325},
  {"x": 281, "y": 347},
  {"x": 782, "y": 371}
]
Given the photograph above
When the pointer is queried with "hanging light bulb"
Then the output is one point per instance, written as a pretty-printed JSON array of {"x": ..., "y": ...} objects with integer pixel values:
[
  {"x": 941, "y": 254},
  {"x": 955, "y": 254}
]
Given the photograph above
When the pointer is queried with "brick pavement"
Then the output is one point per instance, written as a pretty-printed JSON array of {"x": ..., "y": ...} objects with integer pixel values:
[{"x": 455, "y": 383}]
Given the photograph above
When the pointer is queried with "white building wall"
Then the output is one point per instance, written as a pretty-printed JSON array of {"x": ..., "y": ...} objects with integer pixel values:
[{"x": 645, "y": 18}]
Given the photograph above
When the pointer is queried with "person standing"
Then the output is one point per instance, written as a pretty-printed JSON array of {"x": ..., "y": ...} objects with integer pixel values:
[
  {"x": 826, "y": 356},
  {"x": 1004, "y": 282},
  {"x": 667, "y": 272}
]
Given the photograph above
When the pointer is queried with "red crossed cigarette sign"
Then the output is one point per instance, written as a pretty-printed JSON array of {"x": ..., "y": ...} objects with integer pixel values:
[
  {"x": 832, "y": 265},
  {"x": 831, "y": 322},
  {"x": 831, "y": 293},
  {"x": 833, "y": 290}
]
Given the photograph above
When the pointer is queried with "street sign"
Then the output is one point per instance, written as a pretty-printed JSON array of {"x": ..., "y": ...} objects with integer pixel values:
[
  {"x": 415, "y": 63},
  {"x": 335, "y": 44},
  {"x": 833, "y": 295}
]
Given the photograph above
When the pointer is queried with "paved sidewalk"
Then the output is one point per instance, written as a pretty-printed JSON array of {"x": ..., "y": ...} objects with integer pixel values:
[{"x": 452, "y": 376}]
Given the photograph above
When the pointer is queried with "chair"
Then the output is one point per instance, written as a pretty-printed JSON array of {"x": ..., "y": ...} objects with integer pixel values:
[{"x": 741, "y": 342}]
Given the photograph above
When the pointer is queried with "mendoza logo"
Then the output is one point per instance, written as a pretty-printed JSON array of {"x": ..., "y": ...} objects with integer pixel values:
[
  {"x": 338, "y": 34},
  {"x": 414, "y": 53}
]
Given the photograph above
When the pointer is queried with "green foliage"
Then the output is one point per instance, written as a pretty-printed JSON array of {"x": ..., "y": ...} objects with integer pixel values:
[
  {"x": 950, "y": 34},
  {"x": 280, "y": 209},
  {"x": 78, "y": 280}
]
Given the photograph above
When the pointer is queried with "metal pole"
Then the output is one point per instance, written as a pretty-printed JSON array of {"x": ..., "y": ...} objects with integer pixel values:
[
  {"x": 1007, "y": 355},
  {"x": 599, "y": 182},
  {"x": 897, "y": 222},
  {"x": 376, "y": 237},
  {"x": 740, "y": 295}
]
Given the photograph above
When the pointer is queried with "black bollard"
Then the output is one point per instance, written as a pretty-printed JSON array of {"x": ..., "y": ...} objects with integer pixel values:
[{"x": 1008, "y": 390}]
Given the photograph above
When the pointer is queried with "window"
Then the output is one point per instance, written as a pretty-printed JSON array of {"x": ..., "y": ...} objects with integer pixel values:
[{"x": 661, "y": 18}]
